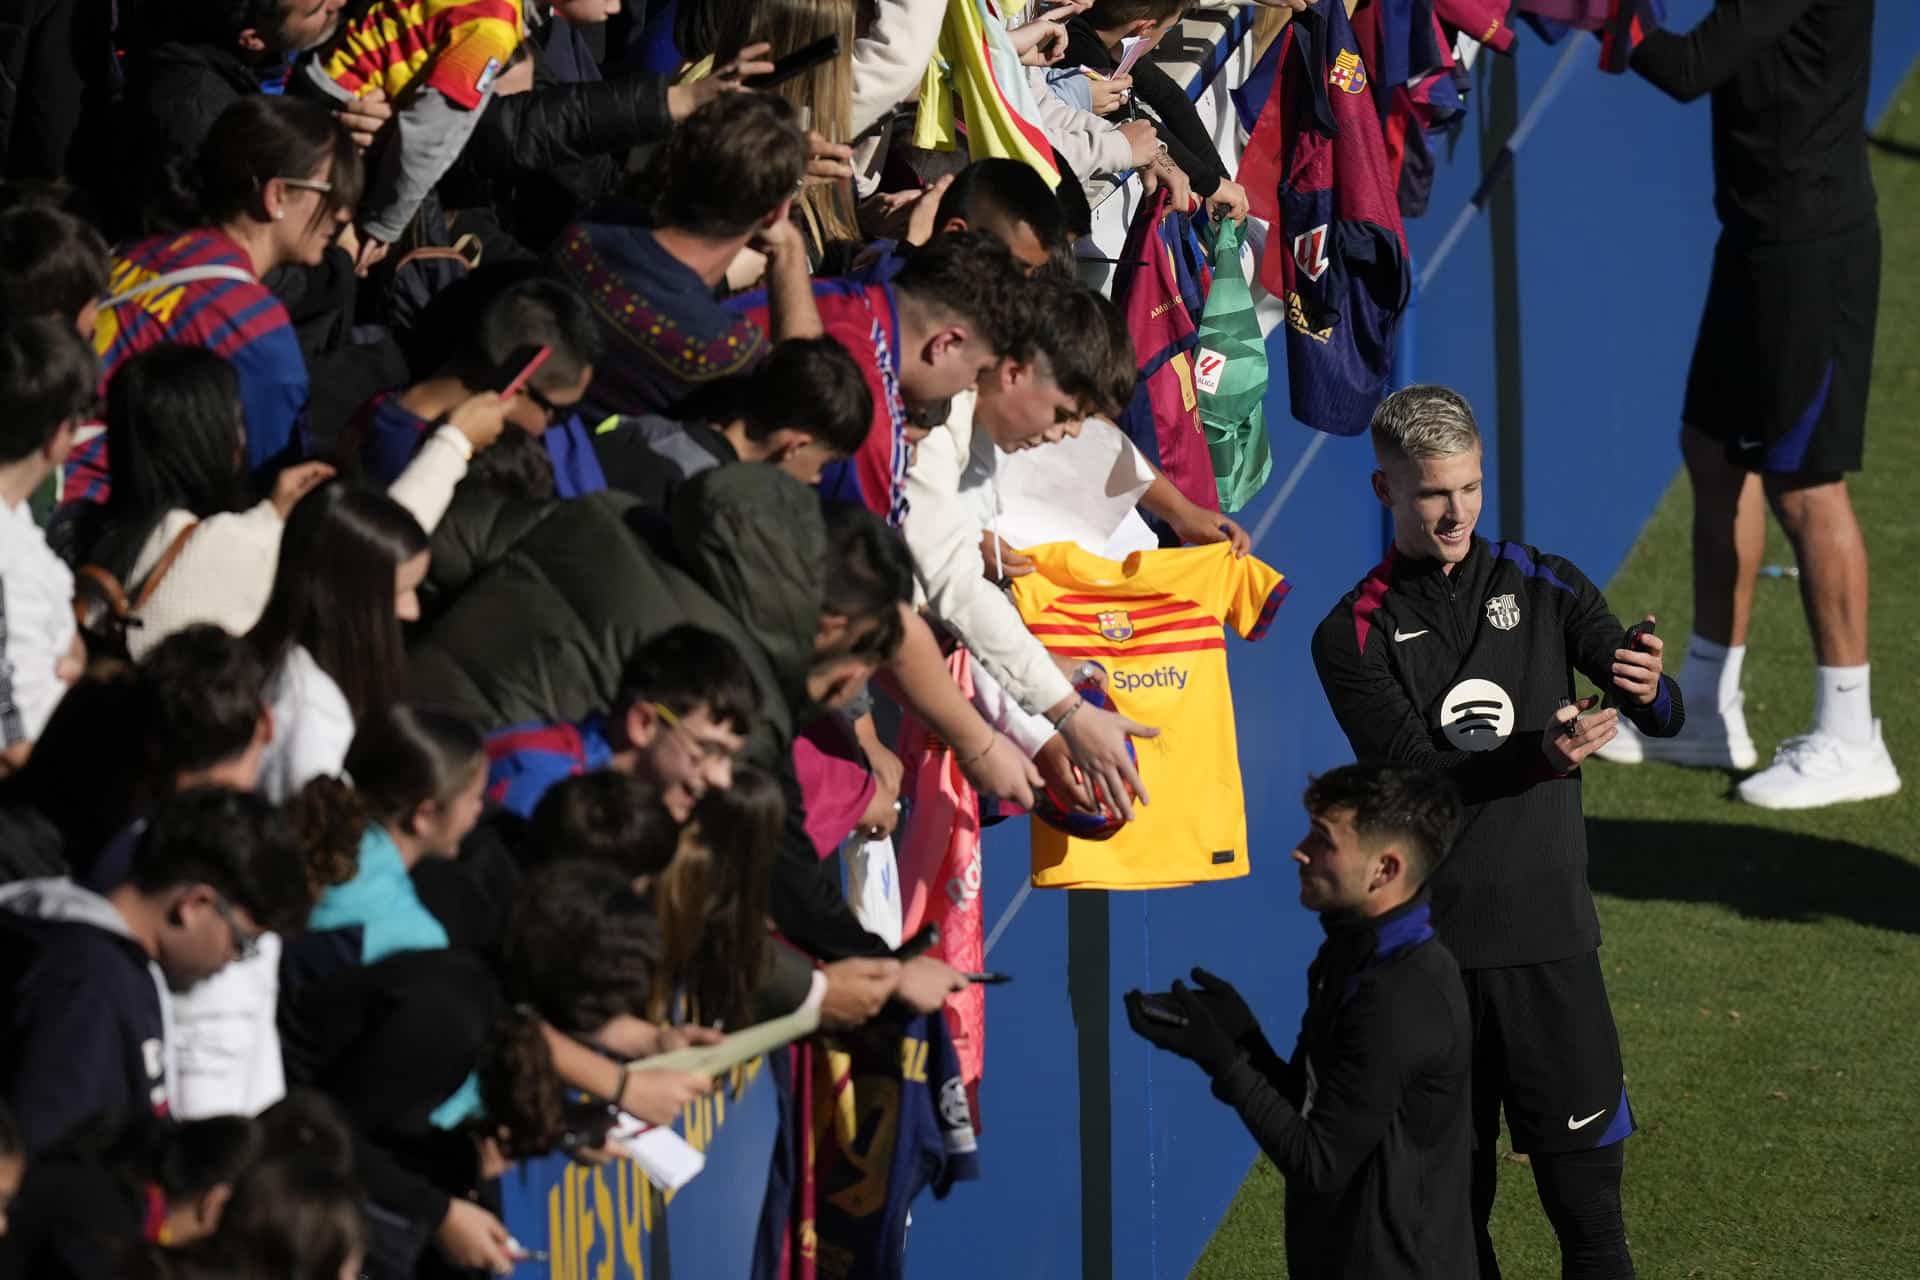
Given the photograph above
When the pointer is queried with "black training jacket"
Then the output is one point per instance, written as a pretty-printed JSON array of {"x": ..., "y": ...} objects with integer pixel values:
[
  {"x": 1461, "y": 673},
  {"x": 1369, "y": 1122}
]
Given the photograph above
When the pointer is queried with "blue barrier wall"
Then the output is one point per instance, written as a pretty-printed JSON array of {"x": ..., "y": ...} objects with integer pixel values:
[{"x": 1101, "y": 1158}]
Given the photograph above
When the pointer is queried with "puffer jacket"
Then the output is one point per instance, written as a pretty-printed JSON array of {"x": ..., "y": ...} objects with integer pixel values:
[{"x": 546, "y": 605}]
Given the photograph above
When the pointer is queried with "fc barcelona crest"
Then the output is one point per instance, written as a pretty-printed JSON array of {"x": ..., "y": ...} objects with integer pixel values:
[
  {"x": 1346, "y": 74},
  {"x": 1503, "y": 612},
  {"x": 1116, "y": 625}
]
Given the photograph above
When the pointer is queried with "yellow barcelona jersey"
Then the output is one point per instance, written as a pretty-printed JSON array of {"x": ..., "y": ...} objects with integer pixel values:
[{"x": 1156, "y": 623}]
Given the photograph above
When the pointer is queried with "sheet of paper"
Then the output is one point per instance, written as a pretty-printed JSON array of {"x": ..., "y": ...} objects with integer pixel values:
[
  {"x": 742, "y": 1046},
  {"x": 663, "y": 1155},
  {"x": 1082, "y": 490},
  {"x": 1135, "y": 47}
]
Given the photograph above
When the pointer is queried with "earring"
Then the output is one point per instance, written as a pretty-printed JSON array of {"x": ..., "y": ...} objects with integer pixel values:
[{"x": 279, "y": 213}]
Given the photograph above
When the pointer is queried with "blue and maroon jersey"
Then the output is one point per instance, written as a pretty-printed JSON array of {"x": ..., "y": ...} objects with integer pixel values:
[
  {"x": 1316, "y": 167},
  {"x": 862, "y": 316},
  {"x": 238, "y": 319},
  {"x": 1161, "y": 299},
  {"x": 525, "y": 760}
]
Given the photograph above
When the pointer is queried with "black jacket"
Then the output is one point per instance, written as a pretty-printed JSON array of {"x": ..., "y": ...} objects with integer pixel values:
[
  {"x": 1460, "y": 673},
  {"x": 1369, "y": 1122},
  {"x": 175, "y": 91},
  {"x": 546, "y": 155},
  {"x": 82, "y": 1032},
  {"x": 549, "y": 601},
  {"x": 1789, "y": 85},
  {"x": 1188, "y": 141}
]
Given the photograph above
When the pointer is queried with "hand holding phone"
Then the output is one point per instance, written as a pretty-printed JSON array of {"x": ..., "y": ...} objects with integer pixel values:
[{"x": 1637, "y": 675}]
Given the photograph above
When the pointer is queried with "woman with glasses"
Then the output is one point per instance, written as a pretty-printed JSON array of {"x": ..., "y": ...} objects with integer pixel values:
[{"x": 273, "y": 185}]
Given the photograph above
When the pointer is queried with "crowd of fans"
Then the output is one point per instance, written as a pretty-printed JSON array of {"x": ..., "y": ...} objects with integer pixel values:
[{"x": 457, "y": 489}]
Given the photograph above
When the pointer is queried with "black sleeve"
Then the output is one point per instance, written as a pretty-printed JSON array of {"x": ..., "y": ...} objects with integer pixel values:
[
  {"x": 1384, "y": 726},
  {"x": 1593, "y": 634},
  {"x": 394, "y": 1187},
  {"x": 807, "y": 904},
  {"x": 562, "y": 124},
  {"x": 1383, "y": 1036},
  {"x": 785, "y": 985},
  {"x": 1687, "y": 66},
  {"x": 1180, "y": 128}
]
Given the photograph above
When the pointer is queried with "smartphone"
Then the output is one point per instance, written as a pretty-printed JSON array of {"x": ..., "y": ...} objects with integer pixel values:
[
  {"x": 1159, "y": 1007},
  {"x": 919, "y": 944},
  {"x": 1635, "y": 633},
  {"x": 518, "y": 369},
  {"x": 805, "y": 58}
]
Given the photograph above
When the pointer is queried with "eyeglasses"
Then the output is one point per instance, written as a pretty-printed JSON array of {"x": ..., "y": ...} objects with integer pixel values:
[
  {"x": 246, "y": 942},
  {"x": 308, "y": 184},
  {"x": 710, "y": 752},
  {"x": 545, "y": 406}
]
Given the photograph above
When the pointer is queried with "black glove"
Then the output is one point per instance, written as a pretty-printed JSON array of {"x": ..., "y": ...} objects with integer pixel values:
[
  {"x": 1227, "y": 1005},
  {"x": 1201, "y": 1041}
]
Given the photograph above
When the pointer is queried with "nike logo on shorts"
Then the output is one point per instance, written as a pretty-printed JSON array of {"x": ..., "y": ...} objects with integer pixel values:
[
  {"x": 1400, "y": 637},
  {"x": 1573, "y": 1124}
]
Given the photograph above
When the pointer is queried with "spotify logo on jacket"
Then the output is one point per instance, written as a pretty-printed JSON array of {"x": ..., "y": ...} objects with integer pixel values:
[
  {"x": 1158, "y": 678},
  {"x": 1476, "y": 715}
]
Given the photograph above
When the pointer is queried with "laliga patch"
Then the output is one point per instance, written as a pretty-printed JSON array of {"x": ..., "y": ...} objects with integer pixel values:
[
  {"x": 1476, "y": 715},
  {"x": 1346, "y": 74},
  {"x": 1310, "y": 252},
  {"x": 488, "y": 74},
  {"x": 1207, "y": 369}
]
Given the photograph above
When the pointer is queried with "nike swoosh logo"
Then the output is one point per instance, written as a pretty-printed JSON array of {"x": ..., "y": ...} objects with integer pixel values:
[
  {"x": 1399, "y": 636},
  {"x": 1573, "y": 1124},
  {"x": 1748, "y": 444},
  {"x": 1845, "y": 688}
]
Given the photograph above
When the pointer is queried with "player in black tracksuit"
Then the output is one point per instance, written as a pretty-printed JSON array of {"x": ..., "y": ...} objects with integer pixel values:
[
  {"x": 1368, "y": 1123},
  {"x": 1457, "y": 654}
]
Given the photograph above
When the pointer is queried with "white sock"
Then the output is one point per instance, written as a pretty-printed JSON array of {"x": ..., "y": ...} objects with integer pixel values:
[
  {"x": 1841, "y": 705},
  {"x": 1710, "y": 679}
]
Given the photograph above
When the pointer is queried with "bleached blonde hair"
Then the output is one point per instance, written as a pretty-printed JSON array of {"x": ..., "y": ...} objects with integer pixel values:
[{"x": 1424, "y": 422}]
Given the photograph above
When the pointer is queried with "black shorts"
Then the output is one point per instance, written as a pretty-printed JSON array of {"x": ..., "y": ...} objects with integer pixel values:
[
  {"x": 1785, "y": 352},
  {"x": 1546, "y": 1052}
]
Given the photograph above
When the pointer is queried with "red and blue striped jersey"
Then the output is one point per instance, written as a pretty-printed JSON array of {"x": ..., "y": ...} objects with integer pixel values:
[
  {"x": 525, "y": 760},
  {"x": 238, "y": 319}
]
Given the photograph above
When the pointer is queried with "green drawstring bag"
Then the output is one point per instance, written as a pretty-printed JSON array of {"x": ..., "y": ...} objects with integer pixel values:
[{"x": 1230, "y": 374}]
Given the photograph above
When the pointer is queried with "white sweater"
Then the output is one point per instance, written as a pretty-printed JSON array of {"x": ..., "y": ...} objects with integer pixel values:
[
  {"x": 36, "y": 605},
  {"x": 225, "y": 572},
  {"x": 950, "y": 501}
]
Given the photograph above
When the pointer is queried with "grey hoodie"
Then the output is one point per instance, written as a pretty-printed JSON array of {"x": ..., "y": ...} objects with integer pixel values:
[{"x": 88, "y": 1019}]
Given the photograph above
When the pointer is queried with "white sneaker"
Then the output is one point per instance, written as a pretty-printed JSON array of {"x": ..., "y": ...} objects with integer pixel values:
[
  {"x": 1713, "y": 740},
  {"x": 1817, "y": 769}
]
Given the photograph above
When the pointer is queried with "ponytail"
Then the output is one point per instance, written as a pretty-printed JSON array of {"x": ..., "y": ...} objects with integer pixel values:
[
  {"x": 259, "y": 138},
  {"x": 328, "y": 819},
  {"x": 521, "y": 1087}
]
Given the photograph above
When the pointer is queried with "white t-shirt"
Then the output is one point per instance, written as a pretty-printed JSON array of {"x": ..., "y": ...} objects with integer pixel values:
[{"x": 36, "y": 602}]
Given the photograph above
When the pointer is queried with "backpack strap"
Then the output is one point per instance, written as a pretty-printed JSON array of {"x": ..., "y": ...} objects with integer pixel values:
[
  {"x": 165, "y": 563},
  {"x": 186, "y": 275}
]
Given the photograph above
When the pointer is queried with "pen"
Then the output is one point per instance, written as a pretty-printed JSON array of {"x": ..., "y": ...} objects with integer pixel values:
[{"x": 989, "y": 977}]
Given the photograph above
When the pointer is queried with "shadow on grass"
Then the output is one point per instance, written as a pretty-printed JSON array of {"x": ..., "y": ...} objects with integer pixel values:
[{"x": 1763, "y": 874}]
